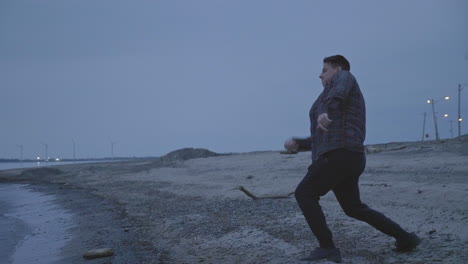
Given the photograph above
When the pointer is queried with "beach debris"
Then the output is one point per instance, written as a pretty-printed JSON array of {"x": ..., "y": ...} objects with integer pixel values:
[
  {"x": 98, "y": 253},
  {"x": 254, "y": 197},
  {"x": 250, "y": 177}
]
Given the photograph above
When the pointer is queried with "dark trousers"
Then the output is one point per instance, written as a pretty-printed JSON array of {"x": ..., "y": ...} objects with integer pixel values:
[{"x": 339, "y": 171}]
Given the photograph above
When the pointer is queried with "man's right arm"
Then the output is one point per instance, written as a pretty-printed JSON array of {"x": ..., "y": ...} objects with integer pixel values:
[{"x": 303, "y": 144}]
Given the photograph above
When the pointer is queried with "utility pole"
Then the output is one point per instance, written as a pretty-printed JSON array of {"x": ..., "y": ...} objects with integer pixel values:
[
  {"x": 460, "y": 88},
  {"x": 435, "y": 119},
  {"x": 424, "y": 127}
]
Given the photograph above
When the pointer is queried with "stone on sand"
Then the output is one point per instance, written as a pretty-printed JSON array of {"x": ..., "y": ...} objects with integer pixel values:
[{"x": 98, "y": 253}]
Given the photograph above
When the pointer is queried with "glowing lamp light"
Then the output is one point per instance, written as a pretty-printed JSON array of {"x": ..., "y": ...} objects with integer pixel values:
[
  {"x": 428, "y": 101},
  {"x": 446, "y": 115},
  {"x": 460, "y": 119},
  {"x": 57, "y": 159},
  {"x": 38, "y": 158},
  {"x": 447, "y": 97}
]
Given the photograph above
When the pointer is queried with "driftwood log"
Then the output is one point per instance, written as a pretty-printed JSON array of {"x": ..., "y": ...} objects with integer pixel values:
[
  {"x": 98, "y": 253},
  {"x": 254, "y": 197}
]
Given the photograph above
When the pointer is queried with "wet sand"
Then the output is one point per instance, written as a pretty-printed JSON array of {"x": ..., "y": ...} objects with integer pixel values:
[
  {"x": 50, "y": 223},
  {"x": 33, "y": 226},
  {"x": 192, "y": 211}
]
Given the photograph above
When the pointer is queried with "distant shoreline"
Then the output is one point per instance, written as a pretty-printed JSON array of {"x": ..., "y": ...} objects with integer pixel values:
[{"x": 386, "y": 144}]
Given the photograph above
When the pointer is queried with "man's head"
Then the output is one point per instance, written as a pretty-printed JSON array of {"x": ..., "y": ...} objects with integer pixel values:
[{"x": 331, "y": 65}]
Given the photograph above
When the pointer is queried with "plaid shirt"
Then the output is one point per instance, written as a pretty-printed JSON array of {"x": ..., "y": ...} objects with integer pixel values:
[{"x": 343, "y": 101}]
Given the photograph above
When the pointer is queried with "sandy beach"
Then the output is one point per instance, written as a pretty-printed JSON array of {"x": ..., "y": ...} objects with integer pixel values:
[{"x": 187, "y": 207}]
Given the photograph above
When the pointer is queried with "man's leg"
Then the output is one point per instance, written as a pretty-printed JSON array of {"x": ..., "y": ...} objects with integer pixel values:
[
  {"x": 347, "y": 194},
  {"x": 321, "y": 177}
]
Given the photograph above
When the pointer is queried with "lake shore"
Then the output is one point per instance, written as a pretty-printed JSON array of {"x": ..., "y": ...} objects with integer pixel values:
[{"x": 190, "y": 210}]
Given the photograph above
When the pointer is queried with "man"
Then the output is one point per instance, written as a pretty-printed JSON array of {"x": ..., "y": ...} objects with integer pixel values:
[{"x": 337, "y": 126}]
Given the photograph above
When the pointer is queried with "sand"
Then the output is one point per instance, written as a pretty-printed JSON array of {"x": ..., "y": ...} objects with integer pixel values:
[{"x": 192, "y": 211}]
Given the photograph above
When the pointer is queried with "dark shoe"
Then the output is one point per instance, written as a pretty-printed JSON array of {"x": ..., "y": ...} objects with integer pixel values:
[
  {"x": 407, "y": 244},
  {"x": 331, "y": 254}
]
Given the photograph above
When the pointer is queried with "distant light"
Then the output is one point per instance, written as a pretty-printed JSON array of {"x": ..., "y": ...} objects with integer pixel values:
[
  {"x": 57, "y": 159},
  {"x": 38, "y": 158},
  {"x": 446, "y": 115},
  {"x": 460, "y": 119},
  {"x": 446, "y": 98},
  {"x": 428, "y": 101}
]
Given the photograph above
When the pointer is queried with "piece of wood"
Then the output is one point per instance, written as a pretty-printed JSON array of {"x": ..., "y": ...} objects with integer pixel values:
[
  {"x": 98, "y": 253},
  {"x": 254, "y": 197}
]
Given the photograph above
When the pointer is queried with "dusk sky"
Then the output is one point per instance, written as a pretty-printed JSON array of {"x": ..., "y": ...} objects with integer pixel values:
[{"x": 229, "y": 76}]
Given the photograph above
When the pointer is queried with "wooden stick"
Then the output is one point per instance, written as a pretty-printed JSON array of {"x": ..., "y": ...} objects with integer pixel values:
[{"x": 254, "y": 197}]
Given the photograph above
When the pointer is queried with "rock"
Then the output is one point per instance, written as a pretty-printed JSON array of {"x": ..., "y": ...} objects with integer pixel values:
[{"x": 98, "y": 253}]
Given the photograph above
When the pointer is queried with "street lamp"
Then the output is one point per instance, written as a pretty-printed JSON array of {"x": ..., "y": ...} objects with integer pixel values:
[
  {"x": 451, "y": 125},
  {"x": 424, "y": 127},
  {"x": 432, "y": 102}
]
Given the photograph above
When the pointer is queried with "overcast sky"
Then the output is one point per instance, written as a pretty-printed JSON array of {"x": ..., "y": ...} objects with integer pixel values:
[{"x": 229, "y": 76}]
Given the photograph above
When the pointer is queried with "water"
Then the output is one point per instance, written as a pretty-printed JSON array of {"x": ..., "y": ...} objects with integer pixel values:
[{"x": 33, "y": 229}]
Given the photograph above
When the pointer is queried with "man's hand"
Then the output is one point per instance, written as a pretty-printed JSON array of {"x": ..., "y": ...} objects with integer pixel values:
[
  {"x": 291, "y": 145},
  {"x": 323, "y": 121}
]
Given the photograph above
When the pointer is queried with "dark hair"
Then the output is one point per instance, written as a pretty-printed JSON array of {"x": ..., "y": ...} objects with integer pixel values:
[{"x": 338, "y": 60}]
